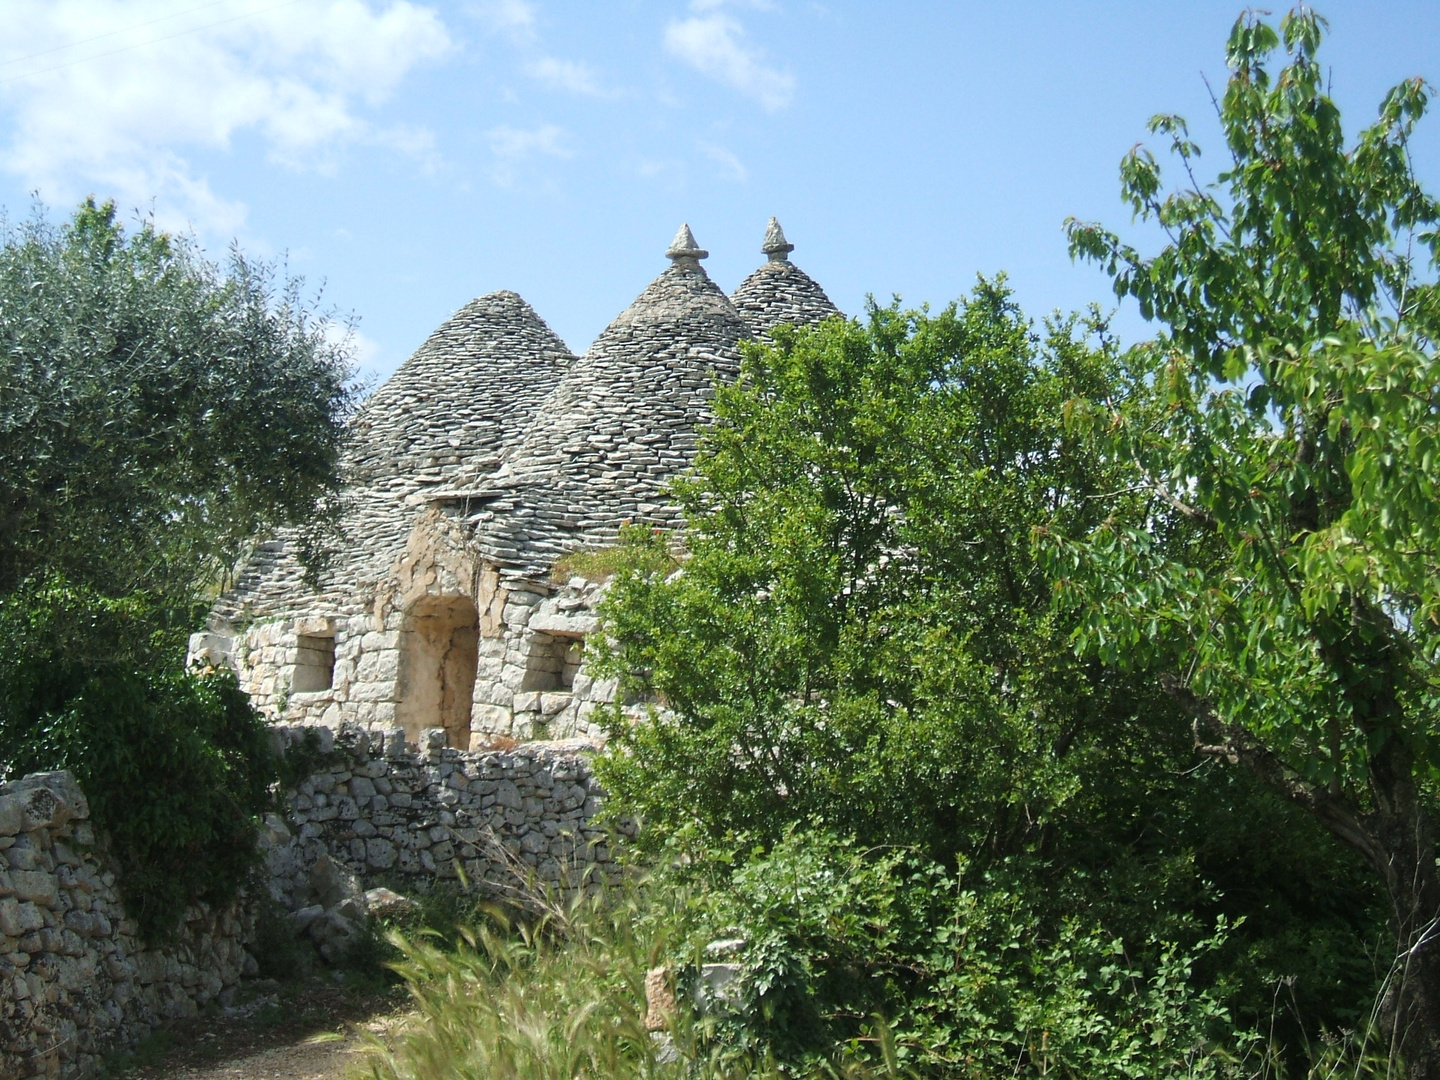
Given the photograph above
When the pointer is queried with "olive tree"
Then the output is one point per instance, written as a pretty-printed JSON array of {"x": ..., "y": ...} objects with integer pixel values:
[
  {"x": 156, "y": 411},
  {"x": 156, "y": 414}
]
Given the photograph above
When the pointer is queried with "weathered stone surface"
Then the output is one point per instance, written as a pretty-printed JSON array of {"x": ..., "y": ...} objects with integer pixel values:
[
  {"x": 565, "y": 625},
  {"x": 494, "y": 815},
  {"x": 491, "y": 453},
  {"x": 443, "y": 419},
  {"x": 619, "y": 426},
  {"x": 75, "y": 980},
  {"x": 780, "y": 292},
  {"x": 47, "y": 800}
]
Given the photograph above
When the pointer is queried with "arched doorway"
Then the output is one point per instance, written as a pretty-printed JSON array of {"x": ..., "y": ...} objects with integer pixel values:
[{"x": 438, "y": 655}]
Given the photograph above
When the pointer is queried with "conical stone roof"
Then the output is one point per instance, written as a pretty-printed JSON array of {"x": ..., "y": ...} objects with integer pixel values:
[
  {"x": 442, "y": 421},
  {"x": 619, "y": 427},
  {"x": 780, "y": 292}
]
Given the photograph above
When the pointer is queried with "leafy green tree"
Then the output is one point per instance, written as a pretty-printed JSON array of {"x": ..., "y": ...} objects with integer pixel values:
[
  {"x": 862, "y": 637},
  {"x": 176, "y": 766},
  {"x": 860, "y": 631},
  {"x": 156, "y": 413},
  {"x": 1279, "y": 553}
]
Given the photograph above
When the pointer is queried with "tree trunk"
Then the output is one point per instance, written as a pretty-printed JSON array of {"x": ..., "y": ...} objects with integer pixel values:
[
  {"x": 1396, "y": 836},
  {"x": 1403, "y": 852}
]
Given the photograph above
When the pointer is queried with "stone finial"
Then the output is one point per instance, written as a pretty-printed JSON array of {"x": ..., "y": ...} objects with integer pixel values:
[
  {"x": 685, "y": 247},
  {"x": 775, "y": 244}
]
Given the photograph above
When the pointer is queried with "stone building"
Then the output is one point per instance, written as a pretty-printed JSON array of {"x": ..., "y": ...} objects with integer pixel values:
[{"x": 492, "y": 452}]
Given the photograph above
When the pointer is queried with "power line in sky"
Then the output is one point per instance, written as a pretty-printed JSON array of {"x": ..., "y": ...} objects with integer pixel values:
[
  {"x": 143, "y": 44},
  {"x": 112, "y": 33}
]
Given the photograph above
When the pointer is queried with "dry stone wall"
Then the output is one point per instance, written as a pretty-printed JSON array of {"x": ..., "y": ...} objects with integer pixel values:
[
  {"x": 396, "y": 815},
  {"x": 76, "y": 980}
]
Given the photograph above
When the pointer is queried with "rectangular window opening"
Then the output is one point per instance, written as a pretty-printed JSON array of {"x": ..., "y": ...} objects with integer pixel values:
[
  {"x": 314, "y": 664},
  {"x": 553, "y": 661}
]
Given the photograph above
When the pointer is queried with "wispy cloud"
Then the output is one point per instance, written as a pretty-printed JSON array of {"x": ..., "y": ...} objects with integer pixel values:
[
  {"x": 513, "y": 146},
  {"x": 716, "y": 5},
  {"x": 714, "y": 44},
  {"x": 514, "y": 18},
  {"x": 115, "y": 98},
  {"x": 578, "y": 78},
  {"x": 726, "y": 160}
]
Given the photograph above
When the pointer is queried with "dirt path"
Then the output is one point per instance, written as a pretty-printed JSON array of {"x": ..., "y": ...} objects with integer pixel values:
[
  {"x": 302, "y": 1031},
  {"x": 305, "y": 1061}
]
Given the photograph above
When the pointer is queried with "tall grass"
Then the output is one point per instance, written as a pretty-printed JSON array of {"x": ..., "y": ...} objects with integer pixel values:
[
  {"x": 557, "y": 992},
  {"x": 554, "y": 997}
]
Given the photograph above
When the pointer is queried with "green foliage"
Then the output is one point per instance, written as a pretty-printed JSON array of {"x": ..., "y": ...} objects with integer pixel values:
[
  {"x": 279, "y": 951},
  {"x": 156, "y": 413},
  {"x": 176, "y": 767},
  {"x": 970, "y": 980},
  {"x": 862, "y": 636},
  {"x": 561, "y": 998},
  {"x": 1277, "y": 555},
  {"x": 861, "y": 632},
  {"x": 855, "y": 963},
  {"x": 635, "y": 552}
]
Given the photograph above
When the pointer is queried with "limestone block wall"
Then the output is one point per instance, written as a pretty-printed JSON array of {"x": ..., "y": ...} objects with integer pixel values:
[
  {"x": 267, "y": 655},
  {"x": 526, "y": 678},
  {"x": 532, "y": 681},
  {"x": 76, "y": 980},
  {"x": 397, "y": 815}
]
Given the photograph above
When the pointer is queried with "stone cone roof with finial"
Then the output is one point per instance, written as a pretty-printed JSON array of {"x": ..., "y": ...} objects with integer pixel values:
[
  {"x": 620, "y": 425},
  {"x": 441, "y": 421},
  {"x": 495, "y": 420},
  {"x": 780, "y": 292}
]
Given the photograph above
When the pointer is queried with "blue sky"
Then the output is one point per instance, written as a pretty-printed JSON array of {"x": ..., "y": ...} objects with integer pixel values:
[{"x": 412, "y": 155}]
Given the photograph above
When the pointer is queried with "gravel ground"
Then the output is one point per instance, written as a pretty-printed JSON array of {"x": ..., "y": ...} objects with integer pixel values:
[{"x": 299, "y": 1031}]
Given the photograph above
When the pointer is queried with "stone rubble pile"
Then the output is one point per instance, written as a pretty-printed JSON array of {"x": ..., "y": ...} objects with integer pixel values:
[
  {"x": 340, "y": 909},
  {"x": 76, "y": 980}
]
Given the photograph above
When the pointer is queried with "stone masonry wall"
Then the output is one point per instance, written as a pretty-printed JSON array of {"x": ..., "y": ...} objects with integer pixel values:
[
  {"x": 76, "y": 981},
  {"x": 395, "y": 815},
  {"x": 531, "y": 679},
  {"x": 75, "y": 978}
]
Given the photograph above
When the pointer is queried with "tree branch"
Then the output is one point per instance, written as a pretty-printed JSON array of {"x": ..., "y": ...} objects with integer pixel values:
[{"x": 1239, "y": 747}]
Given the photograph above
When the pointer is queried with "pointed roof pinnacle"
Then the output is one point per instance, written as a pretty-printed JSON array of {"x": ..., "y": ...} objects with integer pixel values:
[
  {"x": 685, "y": 247},
  {"x": 775, "y": 244}
]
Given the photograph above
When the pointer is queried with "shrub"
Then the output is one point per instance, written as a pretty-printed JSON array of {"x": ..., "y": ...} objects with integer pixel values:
[
  {"x": 970, "y": 978},
  {"x": 855, "y": 962},
  {"x": 177, "y": 766}
]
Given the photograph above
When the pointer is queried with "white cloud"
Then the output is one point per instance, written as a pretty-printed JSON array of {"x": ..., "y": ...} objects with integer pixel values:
[
  {"x": 724, "y": 158},
  {"x": 716, "y": 5},
  {"x": 714, "y": 44},
  {"x": 514, "y": 18},
  {"x": 567, "y": 75},
  {"x": 124, "y": 91},
  {"x": 512, "y": 146}
]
